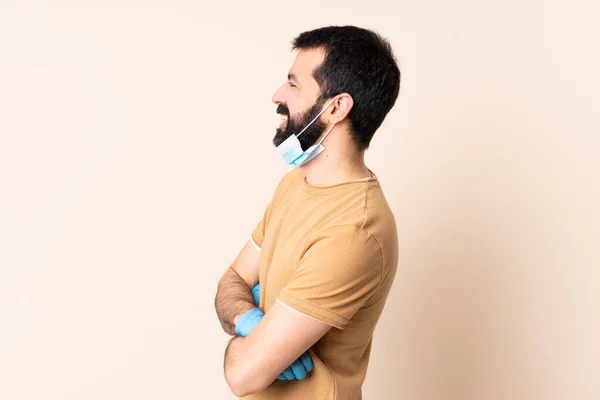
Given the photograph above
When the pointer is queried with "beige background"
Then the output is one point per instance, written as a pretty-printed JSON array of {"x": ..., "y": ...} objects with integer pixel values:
[{"x": 135, "y": 160}]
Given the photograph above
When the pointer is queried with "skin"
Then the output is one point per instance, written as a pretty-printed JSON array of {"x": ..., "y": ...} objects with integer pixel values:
[
  {"x": 233, "y": 295},
  {"x": 254, "y": 362}
]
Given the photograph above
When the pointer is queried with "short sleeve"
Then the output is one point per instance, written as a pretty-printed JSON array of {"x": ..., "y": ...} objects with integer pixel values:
[{"x": 339, "y": 272}]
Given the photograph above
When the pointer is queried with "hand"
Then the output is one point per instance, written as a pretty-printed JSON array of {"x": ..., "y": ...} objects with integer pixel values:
[
  {"x": 248, "y": 321},
  {"x": 299, "y": 368},
  {"x": 256, "y": 294}
]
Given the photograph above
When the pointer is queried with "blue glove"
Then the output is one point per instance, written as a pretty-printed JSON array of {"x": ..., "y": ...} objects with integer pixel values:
[
  {"x": 248, "y": 321},
  {"x": 256, "y": 294},
  {"x": 299, "y": 368},
  {"x": 251, "y": 318}
]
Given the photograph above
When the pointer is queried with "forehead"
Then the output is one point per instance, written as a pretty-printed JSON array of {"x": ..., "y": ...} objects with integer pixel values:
[{"x": 307, "y": 60}]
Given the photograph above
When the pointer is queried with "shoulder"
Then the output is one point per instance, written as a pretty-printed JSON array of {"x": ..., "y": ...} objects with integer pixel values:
[
  {"x": 377, "y": 226},
  {"x": 295, "y": 176},
  {"x": 380, "y": 223},
  {"x": 291, "y": 178},
  {"x": 351, "y": 240},
  {"x": 378, "y": 218}
]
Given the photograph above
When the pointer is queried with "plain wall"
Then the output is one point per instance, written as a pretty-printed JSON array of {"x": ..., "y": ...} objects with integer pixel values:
[{"x": 136, "y": 158}]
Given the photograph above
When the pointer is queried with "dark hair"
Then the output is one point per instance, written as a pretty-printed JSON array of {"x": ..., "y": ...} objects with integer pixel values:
[{"x": 361, "y": 63}]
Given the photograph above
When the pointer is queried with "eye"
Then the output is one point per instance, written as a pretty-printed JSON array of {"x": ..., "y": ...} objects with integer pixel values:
[{"x": 291, "y": 84}]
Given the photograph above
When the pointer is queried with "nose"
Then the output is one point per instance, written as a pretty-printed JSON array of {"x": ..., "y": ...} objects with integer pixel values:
[{"x": 278, "y": 97}]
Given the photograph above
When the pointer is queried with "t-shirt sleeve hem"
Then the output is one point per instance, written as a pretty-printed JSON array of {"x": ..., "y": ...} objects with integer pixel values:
[
  {"x": 256, "y": 240},
  {"x": 254, "y": 243},
  {"x": 326, "y": 316}
]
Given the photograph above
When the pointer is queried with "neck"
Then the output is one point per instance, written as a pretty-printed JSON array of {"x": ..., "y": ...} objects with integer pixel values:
[{"x": 340, "y": 162}]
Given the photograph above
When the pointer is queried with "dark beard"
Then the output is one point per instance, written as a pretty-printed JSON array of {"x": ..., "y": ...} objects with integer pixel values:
[{"x": 295, "y": 125}]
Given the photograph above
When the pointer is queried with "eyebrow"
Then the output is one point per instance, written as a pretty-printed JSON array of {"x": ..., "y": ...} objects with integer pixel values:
[{"x": 293, "y": 77}]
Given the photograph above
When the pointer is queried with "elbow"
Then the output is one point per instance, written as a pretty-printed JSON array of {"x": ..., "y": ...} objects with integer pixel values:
[
  {"x": 238, "y": 382},
  {"x": 243, "y": 383}
]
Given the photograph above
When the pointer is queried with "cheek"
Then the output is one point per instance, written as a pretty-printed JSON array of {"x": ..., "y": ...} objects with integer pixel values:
[
  {"x": 297, "y": 107},
  {"x": 295, "y": 100}
]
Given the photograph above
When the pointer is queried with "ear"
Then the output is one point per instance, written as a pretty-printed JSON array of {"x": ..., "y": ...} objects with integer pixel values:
[{"x": 341, "y": 108}]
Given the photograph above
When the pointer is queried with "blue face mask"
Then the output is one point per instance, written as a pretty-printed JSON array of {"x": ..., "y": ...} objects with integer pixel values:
[{"x": 291, "y": 150}]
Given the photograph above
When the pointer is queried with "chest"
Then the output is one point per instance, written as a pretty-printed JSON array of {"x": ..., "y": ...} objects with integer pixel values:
[{"x": 288, "y": 232}]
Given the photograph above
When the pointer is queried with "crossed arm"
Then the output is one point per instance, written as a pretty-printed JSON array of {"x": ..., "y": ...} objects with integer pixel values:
[{"x": 254, "y": 362}]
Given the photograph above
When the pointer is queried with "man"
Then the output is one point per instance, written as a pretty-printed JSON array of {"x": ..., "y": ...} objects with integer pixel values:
[{"x": 326, "y": 251}]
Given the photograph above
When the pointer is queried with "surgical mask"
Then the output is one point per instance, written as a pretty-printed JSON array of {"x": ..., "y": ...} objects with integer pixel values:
[{"x": 291, "y": 150}]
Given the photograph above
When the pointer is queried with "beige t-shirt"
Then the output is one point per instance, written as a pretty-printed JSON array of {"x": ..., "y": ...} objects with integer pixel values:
[{"x": 331, "y": 253}]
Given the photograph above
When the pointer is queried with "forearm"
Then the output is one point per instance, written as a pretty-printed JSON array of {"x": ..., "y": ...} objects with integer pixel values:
[
  {"x": 232, "y": 357},
  {"x": 240, "y": 379},
  {"x": 233, "y": 299}
]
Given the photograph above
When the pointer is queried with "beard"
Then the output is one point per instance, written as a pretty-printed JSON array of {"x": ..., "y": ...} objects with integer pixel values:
[{"x": 296, "y": 124}]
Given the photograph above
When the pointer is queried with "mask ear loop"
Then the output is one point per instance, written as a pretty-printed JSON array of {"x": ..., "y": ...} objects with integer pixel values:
[
  {"x": 321, "y": 141},
  {"x": 315, "y": 118}
]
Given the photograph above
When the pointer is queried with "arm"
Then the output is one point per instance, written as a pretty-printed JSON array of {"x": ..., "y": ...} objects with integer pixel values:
[
  {"x": 233, "y": 294},
  {"x": 254, "y": 362},
  {"x": 340, "y": 271}
]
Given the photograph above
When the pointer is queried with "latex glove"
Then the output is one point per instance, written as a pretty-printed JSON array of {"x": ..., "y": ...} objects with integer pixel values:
[
  {"x": 251, "y": 318},
  {"x": 256, "y": 294},
  {"x": 248, "y": 321},
  {"x": 299, "y": 368}
]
